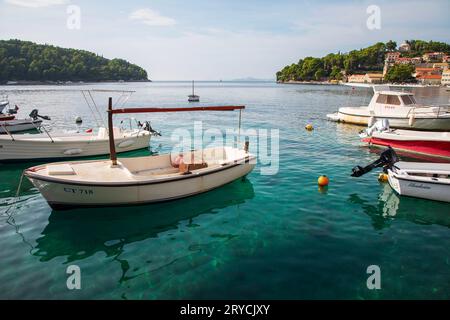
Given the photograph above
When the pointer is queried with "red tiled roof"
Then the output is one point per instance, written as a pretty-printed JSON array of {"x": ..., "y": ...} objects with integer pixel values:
[{"x": 429, "y": 76}]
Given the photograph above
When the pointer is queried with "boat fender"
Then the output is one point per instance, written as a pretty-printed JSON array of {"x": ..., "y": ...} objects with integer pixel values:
[
  {"x": 71, "y": 152},
  {"x": 126, "y": 143},
  {"x": 412, "y": 119},
  {"x": 371, "y": 121}
]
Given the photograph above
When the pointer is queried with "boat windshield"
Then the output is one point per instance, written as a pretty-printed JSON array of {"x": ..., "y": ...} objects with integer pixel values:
[
  {"x": 388, "y": 99},
  {"x": 408, "y": 100}
]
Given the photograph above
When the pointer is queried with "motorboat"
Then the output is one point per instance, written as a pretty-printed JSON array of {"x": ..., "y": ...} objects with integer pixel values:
[
  {"x": 33, "y": 122},
  {"x": 424, "y": 180},
  {"x": 433, "y": 144},
  {"x": 58, "y": 146},
  {"x": 6, "y": 117},
  {"x": 4, "y": 102},
  {"x": 131, "y": 181},
  {"x": 193, "y": 97},
  {"x": 400, "y": 108}
]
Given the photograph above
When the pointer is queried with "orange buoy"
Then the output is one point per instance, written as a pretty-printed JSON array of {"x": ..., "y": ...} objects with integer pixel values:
[
  {"x": 309, "y": 127},
  {"x": 323, "y": 181},
  {"x": 383, "y": 177}
]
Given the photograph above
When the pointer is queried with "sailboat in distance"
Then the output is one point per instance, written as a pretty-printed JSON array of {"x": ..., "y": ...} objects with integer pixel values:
[{"x": 193, "y": 97}]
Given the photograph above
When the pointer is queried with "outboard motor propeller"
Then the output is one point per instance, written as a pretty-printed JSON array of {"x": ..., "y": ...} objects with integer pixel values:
[
  {"x": 387, "y": 160},
  {"x": 34, "y": 114}
]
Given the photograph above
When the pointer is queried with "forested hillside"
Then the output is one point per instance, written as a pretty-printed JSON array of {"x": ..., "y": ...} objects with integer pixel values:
[
  {"x": 24, "y": 60},
  {"x": 355, "y": 61}
]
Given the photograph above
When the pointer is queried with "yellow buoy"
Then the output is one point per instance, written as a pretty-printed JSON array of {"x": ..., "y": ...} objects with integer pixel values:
[
  {"x": 309, "y": 127},
  {"x": 323, "y": 181},
  {"x": 383, "y": 177}
]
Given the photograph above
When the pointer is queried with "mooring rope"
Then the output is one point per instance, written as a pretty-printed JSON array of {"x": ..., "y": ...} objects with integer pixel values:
[{"x": 16, "y": 197}]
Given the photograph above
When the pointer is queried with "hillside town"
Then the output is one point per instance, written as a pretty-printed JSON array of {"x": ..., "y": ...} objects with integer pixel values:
[{"x": 432, "y": 68}]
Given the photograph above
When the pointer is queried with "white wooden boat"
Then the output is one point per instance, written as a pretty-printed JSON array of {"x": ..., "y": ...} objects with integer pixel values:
[
  {"x": 421, "y": 180},
  {"x": 426, "y": 180},
  {"x": 400, "y": 108},
  {"x": 69, "y": 145},
  {"x": 129, "y": 181},
  {"x": 136, "y": 180},
  {"x": 193, "y": 97}
]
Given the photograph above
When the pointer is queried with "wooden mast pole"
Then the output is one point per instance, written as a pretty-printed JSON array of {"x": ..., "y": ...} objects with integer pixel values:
[{"x": 112, "y": 146}]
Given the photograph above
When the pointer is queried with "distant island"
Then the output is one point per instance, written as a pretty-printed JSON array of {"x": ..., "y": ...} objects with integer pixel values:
[
  {"x": 413, "y": 61},
  {"x": 252, "y": 79},
  {"x": 28, "y": 62}
]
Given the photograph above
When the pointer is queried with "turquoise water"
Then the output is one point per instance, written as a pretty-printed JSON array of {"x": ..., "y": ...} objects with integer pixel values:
[{"x": 274, "y": 237}]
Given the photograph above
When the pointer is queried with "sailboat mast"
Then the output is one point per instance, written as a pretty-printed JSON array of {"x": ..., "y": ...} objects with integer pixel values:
[{"x": 192, "y": 87}]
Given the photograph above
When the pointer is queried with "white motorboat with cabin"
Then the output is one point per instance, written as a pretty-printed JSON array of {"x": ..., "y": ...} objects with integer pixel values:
[
  {"x": 400, "y": 108},
  {"x": 426, "y": 180},
  {"x": 129, "y": 181}
]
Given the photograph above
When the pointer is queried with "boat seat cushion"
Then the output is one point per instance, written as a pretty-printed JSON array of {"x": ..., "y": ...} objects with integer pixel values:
[{"x": 60, "y": 169}]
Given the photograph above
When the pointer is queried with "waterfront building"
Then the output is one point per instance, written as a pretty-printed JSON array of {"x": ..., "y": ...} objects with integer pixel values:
[
  {"x": 356, "y": 78},
  {"x": 373, "y": 78},
  {"x": 429, "y": 79},
  {"x": 445, "y": 80},
  {"x": 433, "y": 56},
  {"x": 392, "y": 56}
]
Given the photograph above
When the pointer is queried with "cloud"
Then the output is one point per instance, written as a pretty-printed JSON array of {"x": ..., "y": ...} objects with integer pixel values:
[
  {"x": 36, "y": 3},
  {"x": 152, "y": 18}
]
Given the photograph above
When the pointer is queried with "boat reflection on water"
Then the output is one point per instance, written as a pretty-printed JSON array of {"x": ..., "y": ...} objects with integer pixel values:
[
  {"x": 81, "y": 233},
  {"x": 392, "y": 207}
]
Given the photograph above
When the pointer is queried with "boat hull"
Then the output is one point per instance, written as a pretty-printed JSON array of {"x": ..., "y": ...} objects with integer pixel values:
[
  {"x": 439, "y": 149},
  {"x": 431, "y": 124},
  {"x": 419, "y": 189},
  {"x": 19, "y": 125},
  {"x": 69, "y": 195},
  {"x": 33, "y": 149}
]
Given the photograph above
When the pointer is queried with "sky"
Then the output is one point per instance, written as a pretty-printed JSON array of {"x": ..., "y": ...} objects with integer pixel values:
[{"x": 219, "y": 39}]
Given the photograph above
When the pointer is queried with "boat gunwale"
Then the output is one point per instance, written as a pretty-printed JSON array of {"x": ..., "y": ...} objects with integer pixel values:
[
  {"x": 31, "y": 173},
  {"x": 418, "y": 179},
  {"x": 447, "y": 117}
]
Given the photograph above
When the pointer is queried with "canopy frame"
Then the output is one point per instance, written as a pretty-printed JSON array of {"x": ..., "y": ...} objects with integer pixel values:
[{"x": 111, "y": 112}]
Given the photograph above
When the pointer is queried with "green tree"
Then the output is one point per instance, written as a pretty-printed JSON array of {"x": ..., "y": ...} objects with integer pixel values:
[
  {"x": 400, "y": 73},
  {"x": 391, "y": 45}
]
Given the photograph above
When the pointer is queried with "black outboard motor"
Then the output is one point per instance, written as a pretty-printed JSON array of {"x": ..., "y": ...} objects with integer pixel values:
[
  {"x": 147, "y": 127},
  {"x": 34, "y": 114},
  {"x": 387, "y": 160}
]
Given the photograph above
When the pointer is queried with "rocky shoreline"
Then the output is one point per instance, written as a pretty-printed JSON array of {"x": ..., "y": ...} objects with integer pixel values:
[{"x": 64, "y": 83}]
